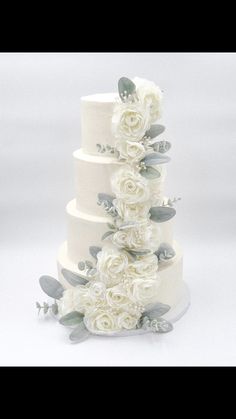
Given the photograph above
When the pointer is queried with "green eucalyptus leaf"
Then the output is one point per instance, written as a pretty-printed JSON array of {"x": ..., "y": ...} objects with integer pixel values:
[
  {"x": 51, "y": 287},
  {"x": 80, "y": 333},
  {"x": 140, "y": 252},
  {"x": 128, "y": 224},
  {"x": 125, "y": 87},
  {"x": 81, "y": 266},
  {"x": 71, "y": 319},
  {"x": 54, "y": 308},
  {"x": 89, "y": 264},
  {"x": 107, "y": 234},
  {"x": 73, "y": 278},
  {"x": 104, "y": 197},
  {"x": 156, "y": 311},
  {"x": 165, "y": 252},
  {"x": 160, "y": 325},
  {"x": 150, "y": 173},
  {"x": 162, "y": 214},
  {"x": 155, "y": 130},
  {"x": 161, "y": 146},
  {"x": 94, "y": 250},
  {"x": 111, "y": 226},
  {"x": 155, "y": 158}
]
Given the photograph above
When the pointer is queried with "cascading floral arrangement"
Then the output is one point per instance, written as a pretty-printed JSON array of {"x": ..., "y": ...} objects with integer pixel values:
[{"x": 118, "y": 293}]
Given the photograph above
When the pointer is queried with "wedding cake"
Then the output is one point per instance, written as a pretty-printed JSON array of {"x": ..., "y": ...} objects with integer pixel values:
[{"x": 120, "y": 270}]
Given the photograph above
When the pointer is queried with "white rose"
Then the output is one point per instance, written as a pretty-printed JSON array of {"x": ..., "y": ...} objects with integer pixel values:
[
  {"x": 117, "y": 297},
  {"x": 145, "y": 268},
  {"x": 144, "y": 291},
  {"x": 126, "y": 320},
  {"x": 97, "y": 289},
  {"x": 128, "y": 185},
  {"x": 130, "y": 121},
  {"x": 138, "y": 211},
  {"x": 69, "y": 301},
  {"x": 111, "y": 265},
  {"x": 101, "y": 320},
  {"x": 144, "y": 235},
  {"x": 130, "y": 150},
  {"x": 150, "y": 95}
]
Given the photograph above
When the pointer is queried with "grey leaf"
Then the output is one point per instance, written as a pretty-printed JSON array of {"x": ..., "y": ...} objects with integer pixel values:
[
  {"x": 54, "y": 308},
  {"x": 89, "y": 264},
  {"x": 155, "y": 158},
  {"x": 51, "y": 287},
  {"x": 164, "y": 252},
  {"x": 80, "y": 333},
  {"x": 155, "y": 130},
  {"x": 103, "y": 197},
  {"x": 81, "y": 266},
  {"x": 73, "y": 278},
  {"x": 128, "y": 224},
  {"x": 99, "y": 147},
  {"x": 92, "y": 272},
  {"x": 125, "y": 87},
  {"x": 111, "y": 226},
  {"x": 140, "y": 252},
  {"x": 107, "y": 234},
  {"x": 161, "y": 214},
  {"x": 45, "y": 308},
  {"x": 150, "y": 173},
  {"x": 156, "y": 311},
  {"x": 94, "y": 250},
  {"x": 161, "y": 146},
  {"x": 38, "y": 305},
  {"x": 71, "y": 319},
  {"x": 161, "y": 325}
]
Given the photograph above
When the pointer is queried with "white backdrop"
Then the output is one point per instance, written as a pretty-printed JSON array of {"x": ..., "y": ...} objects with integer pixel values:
[{"x": 39, "y": 130}]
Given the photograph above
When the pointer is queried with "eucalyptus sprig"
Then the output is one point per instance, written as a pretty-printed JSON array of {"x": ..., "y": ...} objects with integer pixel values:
[
  {"x": 170, "y": 202},
  {"x": 46, "y": 307},
  {"x": 107, "y": 149},
  {"x": 87, "y": 266}
]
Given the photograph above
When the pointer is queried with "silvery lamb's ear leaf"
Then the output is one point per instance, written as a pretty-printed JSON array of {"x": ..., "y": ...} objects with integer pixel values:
[
  {"x": 150, "y": 173},
  {"x": 156, "y": 310},
  {"x": 72, "y": 278},
  {"x": 162, "y": 214},
  {"x": 107, "y": 234},
  {"x": 104, "y": 197},
  {"x": 94, "y": 250},
  {"x": 165, "y": 252},
  {"x": 161, "y": 146},
  {"x": 160, "y": 325},
  {"x": 155, "y": 158},
  {"x": 51, "y": 287},
  {"x": 80, "y": 333},
  {"x": 140, "y": 252},
  {"x": 125, "y": 87},
  {"x": 155, "y": 130},
  {"x": 71, "y": 319},
  {"x": 128, "y": 224}
]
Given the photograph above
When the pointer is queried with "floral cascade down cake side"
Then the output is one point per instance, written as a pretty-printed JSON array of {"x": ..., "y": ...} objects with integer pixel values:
[{"x": 120, "y": 270}]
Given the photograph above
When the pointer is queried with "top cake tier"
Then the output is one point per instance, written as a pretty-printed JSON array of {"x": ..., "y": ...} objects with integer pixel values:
[{"x": 96, "y": 121}]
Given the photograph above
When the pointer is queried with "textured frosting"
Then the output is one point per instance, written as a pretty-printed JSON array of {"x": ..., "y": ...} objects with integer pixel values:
[
  {"x": 85, "y": 230},
  {"x": 96, "y": 115}
]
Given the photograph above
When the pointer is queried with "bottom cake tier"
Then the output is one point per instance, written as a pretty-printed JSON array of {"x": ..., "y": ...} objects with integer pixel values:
[{"x": 172, "y": 291}]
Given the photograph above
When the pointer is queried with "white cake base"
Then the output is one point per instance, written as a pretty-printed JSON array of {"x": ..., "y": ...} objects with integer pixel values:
[{"x": 173, "y": 290}]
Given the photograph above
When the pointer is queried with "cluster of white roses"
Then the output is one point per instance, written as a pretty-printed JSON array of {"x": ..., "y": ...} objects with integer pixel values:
[
  {"x": 131, "y": 119},
  {"x": 115, "y": 298}
]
